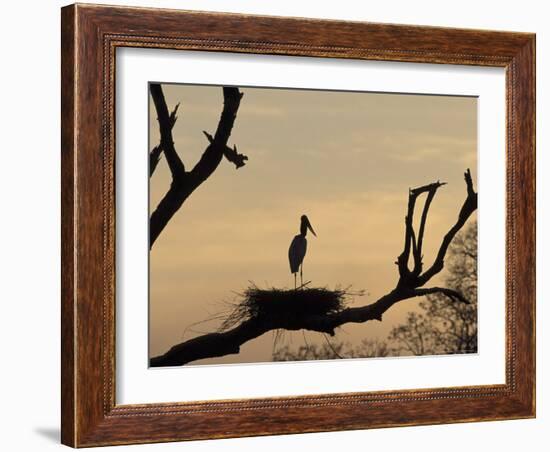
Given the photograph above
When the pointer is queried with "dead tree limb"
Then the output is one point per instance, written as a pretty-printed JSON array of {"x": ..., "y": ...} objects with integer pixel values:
[
  {"x": 186, "y": 182},
  {"x": 154, "y": 158},
  {"x": 155, "y": 154},
  {"x": 408, "y": 286}
]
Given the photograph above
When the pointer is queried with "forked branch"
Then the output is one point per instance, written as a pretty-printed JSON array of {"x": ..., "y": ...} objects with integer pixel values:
[{"x": 185, "y": 182}]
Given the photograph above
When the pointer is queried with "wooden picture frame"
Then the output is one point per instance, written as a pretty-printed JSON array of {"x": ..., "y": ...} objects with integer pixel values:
[{"x": 90, "y": 36}]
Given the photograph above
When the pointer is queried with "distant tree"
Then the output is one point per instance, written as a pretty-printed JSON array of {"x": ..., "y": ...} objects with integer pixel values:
[
  {"x": 366, "y": 349},
  {"x": 443, "y": 326}
]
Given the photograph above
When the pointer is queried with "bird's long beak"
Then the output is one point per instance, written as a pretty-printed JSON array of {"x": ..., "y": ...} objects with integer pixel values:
[{"x": 311, "y": 228}]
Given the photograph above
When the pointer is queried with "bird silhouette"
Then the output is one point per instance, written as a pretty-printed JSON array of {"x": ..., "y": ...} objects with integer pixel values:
[{"x": 298, "y": 248}]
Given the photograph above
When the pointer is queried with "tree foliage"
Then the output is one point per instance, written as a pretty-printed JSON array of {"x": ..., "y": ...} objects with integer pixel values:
[
  {"x": 366, "y": 349},
  {"x": 442, "y": 326}
]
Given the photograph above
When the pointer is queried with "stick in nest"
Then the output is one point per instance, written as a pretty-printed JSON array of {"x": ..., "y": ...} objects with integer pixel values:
[{"x": 273, "y": 303}]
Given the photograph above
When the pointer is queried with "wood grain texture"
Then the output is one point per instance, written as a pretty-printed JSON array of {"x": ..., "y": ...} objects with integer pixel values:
[
  {"x": 90, "y": 36},
  {"x": 67, "y": 224}
]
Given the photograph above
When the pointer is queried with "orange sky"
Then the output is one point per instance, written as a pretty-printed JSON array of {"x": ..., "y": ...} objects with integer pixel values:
[{"x": 344, "y": 159}]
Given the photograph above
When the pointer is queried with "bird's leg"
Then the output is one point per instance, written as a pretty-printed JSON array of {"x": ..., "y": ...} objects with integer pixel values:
[
  {"x": 294, "y": 281},
  {"x": 301, "y": 276}
]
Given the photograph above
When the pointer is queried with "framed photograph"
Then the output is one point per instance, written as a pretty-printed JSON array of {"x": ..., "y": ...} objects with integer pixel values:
[{"x": 282, "y": 225}]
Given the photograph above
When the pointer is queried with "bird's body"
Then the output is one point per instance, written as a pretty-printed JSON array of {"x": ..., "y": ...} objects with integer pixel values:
[
  {"x": 297, "y": 252},
  {"x": 298, "y": 248}
]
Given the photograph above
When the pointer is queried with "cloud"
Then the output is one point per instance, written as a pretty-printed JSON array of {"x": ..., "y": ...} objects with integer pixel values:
[{"x": 261, "y": 110}]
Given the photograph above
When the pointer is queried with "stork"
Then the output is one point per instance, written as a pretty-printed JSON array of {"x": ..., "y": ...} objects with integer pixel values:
[{"x": 298, "y": 247}]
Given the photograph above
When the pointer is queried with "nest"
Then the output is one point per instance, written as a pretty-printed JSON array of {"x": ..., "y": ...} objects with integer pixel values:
[{"x": 271, "y": 304}]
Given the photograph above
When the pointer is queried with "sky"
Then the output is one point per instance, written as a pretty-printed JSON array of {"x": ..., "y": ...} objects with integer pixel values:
[{"x": 345, "y": 159}]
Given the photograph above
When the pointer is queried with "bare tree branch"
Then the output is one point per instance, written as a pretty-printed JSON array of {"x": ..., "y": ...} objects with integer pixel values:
[
  {"x": 154, "y": 158},
  {"x": 453, "y": 295},
  {"x": 469, "y": 206},
  {"x": 185, "y": 182},
  {"x": 409, "y": 286},
  {"x": 155, "y": 154},
  {"x": 418, "y": 255},
  {"x": 230, "y": 154},
  {"x": 166, "y": 123},
  {"x": 410, "y": 237}
]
